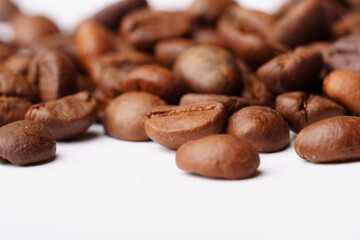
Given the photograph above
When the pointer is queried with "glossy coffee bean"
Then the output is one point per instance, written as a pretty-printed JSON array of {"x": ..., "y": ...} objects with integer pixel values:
[
  {"x": 168, "y": 50},
  {"x": 25, "y": 142},
  {"x": 295, "y": 70},
  {"x": 209, "y": 69},
  {"x": 12, "y": 109},
  {"x": 208, "y": 11},
  {"x": 172, "y": 126},
  {"x": 125, "y": 116},
  {"x": 219, "y": 156},
  {"x": 262, "y": 127},
  {"x": 54, "y": 73},
  {"x": 144, "y": 27},
  {"x": 301, "y": 109},
  {"x": 343, "y": 86},
  {"x": 231, "y": 103},
  {"x": 156, "y": 80},
  {"x": 67, "y": 117},
  {"x": 333, "y": 139}
]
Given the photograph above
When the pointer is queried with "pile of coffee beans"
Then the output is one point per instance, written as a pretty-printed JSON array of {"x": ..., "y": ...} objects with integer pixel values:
[{"x": 217, "y": 82}]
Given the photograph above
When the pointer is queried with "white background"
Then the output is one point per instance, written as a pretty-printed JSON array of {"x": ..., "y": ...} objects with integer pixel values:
[{"x": 101, "y": 188}]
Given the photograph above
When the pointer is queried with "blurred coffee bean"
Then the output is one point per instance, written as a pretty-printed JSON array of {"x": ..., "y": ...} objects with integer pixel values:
[
  {"x": 208, "y": 11},
  {"x": 346, "y": 25},
  {"x": 6, "y": 49},
  {"x": 18, "y": 63},
  {"x": 208, "y": 36},
  {"x": 12, "y": 109},
  {"x": 7, "y": 10}
]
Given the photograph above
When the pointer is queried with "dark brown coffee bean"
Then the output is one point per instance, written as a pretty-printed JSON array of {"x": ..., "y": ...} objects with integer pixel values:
[
  {"x": 7, "y": 10},
  {"x": 353, "y": 4},
  {"x": 109, "y": 70},
  {"x": 344, "y": 54},
  {"x": 231, "y": 104},
  {"x": 25, "y": 142},
  {"x": 244, "y": 31},
  {"x": 262, "y": 127},
  {"x": 295, "y": 70},
  {"x": 67, "y": 117},
  {"x": 209, "y": 69},
  {"x": 343, "y": 86},
  {"x": 172, "y": 126},
  {"x": 208, "y": 36},
  {"x": 12, "y": 109},
  {"x": 333, "y": 139},
  {"x": 348, "y": 24},
  {"x": 219, "y": 156},
  {"x": 18, "y": 63},
  {"x": 30, "y": 28},
  {"x": 125, "y": 116},
  {"x": 168, "y": 50},
  {"x": 54, "y": 73},
  {"x": 144, "y": 27},
  {"x": 301, "y": 109},
  {"x": 111, "y": 15},
  {"x": 156, "y": 80},
  {"x": 208, "y": 11}
]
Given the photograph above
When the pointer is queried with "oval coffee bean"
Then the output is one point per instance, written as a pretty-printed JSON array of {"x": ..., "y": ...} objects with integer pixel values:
[
  {"x": 262, "y": 127},
  {"x": 67, "y": 117},
  {"x": 172, "y": 126},
  {"x": 343, "y": 86},
  {"x": 292, "y": 71},
  {"x": 125, "y": 116},
  {"x": 209, "y": 69},
  {"x": 208, "y": 11},
  {"x": 330, "y": 140},
  {"x": 231, "y": 104},
  {"x": 219, "y": 156},
  {"x": 156, "y": 80},
  {"x": 24, "y": 142},
  {"x": 301, "y": 109},
  {"x": 12, "y": 109}
]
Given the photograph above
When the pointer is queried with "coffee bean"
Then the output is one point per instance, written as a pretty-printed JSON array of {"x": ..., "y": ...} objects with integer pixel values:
[
  {"x": 262, "y": 127},
  {"x": 172, "y": 126},
  {"x": 168, "y": 50},
  {"x": 231, "y": 103},
  {"x": 6, "y": 49},
  {"x": 67, "y": 117},
  {"x": 219, "y": 156},
  {"x": 295, "y": 70},
  {"x": 156, "y": 80},
  {"x": 330, "y": 140},
  {"x": 24, "y": 142},
  {"x": 346, "y": 25},
  {"x": 343, "y": 86},
  {"x": 7, "y": 10},
  {"x": 54, "y": 74},
  {"x": 207, "y": 36},
  {"x": 125, "y": 116},
  {"x": 12, "y": 109},
  {"x": 144, "y": 27},
  {"x": 209, "y": 69},
  {"x": 208, "y": 11},
  {"x": 18, "y": 63},
  {"x": 301, "y": 109}
]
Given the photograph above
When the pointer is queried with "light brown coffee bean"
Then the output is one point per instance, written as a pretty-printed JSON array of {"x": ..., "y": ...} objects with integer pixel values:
[
  {"x": 125, "y": 116},
  {"x": 219, "y": 156},
  {"x": 333, "y": 139},
  {"x": 24, "y": 142},
  {"x": 18, "y": 63},
  {"x": 172, "y": 126},
  {"x": 7, "y": 10},
  {"x": 262, "y": 127}
]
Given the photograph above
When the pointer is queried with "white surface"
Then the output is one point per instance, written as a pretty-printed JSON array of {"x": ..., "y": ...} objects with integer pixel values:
[{"x": 101, "y": 188}]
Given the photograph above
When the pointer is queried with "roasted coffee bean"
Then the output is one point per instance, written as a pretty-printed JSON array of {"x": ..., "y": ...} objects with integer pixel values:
[
  {"x": 244, "y": 31},
  {"x": 219, "y": 156},
  {"x": 208, "y": 11},
  {"x": 231, "y": 103},
  {"x": 54, "y": 73},
  {"x": 111, "y": 15},
  {"x": 333, "y": 139},
  {"x": 348, "y": 24},
  {"x": 6, "y": 50},
  {"x": 262, "y": 127},
  {"x": 103, "y": 101},
  {"x": 209, "y": 69},
  {"x": 67, "y": 117},
  {"x": 172, "y": 126},
  {"x": 24, "y": 142},
  {"x": 30, "y": 28},
  {"x": 208, "y": 36},
  {"x": 109, "y": 70},
  {"x": 125, "y": 116},
  {"x": 18, "y": 63},
  {"x": 168, "y": 50},
  {"x": 7, "y": 10},
  {"x": 354, "y": 4},
  {"x": 12, "y": 109},
  {"x": 144, "y": 27},
  {"x": 301, "y": 109},
  {"x": 295, "y": 70},
  {"x": 344, "y": 54},
  {"x": 343, "y": 86},
  {"x": 156, "y": 80}
]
